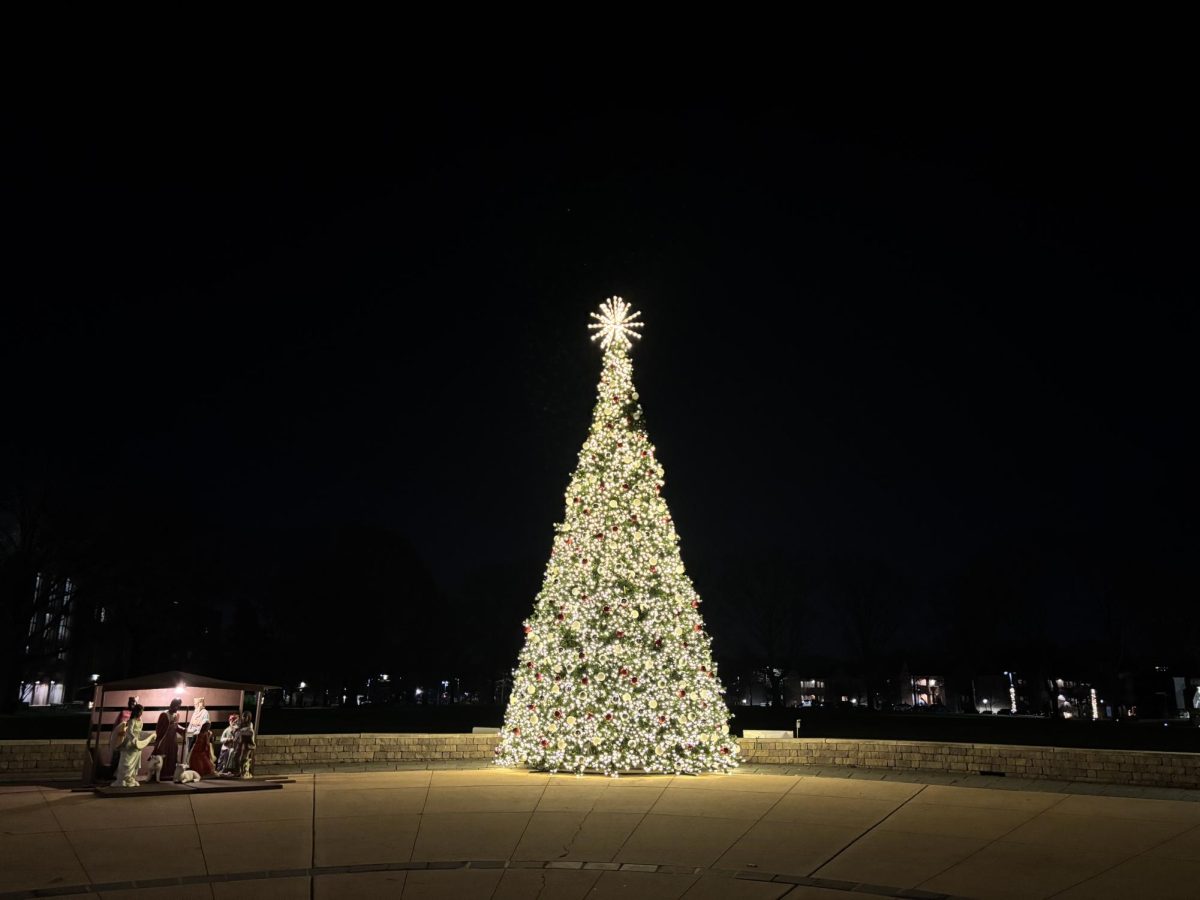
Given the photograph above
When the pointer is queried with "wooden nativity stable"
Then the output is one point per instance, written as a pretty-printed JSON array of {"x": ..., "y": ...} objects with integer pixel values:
[{"x": 155, "y": 693}]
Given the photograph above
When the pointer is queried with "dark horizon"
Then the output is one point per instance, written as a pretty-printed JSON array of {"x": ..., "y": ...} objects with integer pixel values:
[{"x": 933, "y": 342}]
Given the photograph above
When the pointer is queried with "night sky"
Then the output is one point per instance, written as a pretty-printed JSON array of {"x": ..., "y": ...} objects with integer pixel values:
[{"x": 907, "y": 330}]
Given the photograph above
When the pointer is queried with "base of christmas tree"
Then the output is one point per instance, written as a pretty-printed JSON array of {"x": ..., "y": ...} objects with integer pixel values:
[{"x": 623, "y": 773}]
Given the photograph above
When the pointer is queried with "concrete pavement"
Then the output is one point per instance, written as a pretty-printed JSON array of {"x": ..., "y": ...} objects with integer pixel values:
[{"x": 494, "y": 833}]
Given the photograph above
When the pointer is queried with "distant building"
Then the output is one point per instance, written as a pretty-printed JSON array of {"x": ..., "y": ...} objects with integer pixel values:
[
  {"x": 48, "y": 659},
  {"x": 805, "y": 692},
  {"x": 1157, "y": 693},
  {"x": 69, "y": 644},
  {"x": 1075, "y": 699},
  {"x": 923, "y": 690}
]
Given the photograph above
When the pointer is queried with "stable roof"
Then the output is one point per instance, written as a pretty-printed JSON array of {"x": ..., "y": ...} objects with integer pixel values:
[{"x": 191, "y": 679}]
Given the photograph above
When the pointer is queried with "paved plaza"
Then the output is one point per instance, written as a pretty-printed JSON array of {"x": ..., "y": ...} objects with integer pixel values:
[{"x": 494, "y": 833}]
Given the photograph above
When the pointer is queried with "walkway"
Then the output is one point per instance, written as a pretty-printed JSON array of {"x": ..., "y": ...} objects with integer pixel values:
[{"x": 493, "y": 833}]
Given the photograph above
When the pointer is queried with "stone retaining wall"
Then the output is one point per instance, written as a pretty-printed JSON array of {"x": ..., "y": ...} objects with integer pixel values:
[
  {"x": 1138, "y": 767},
  {"x": 41, "y": 758},
  {"x": 308, "y": 752},
  {"x": 316, "y": 752}
]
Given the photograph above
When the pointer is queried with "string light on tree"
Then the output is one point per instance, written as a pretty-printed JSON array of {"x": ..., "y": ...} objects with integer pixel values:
[{"x": 617, "y": 672}]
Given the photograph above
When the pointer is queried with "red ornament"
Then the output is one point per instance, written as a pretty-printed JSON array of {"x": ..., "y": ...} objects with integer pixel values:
[
  {"x": 683, "y": 693},
  {"x": 561, "y": 617},
  {"x": 633, "y": 680},
  {"x": 725, "y": 750},
  {"x": 558, "y": 714},
  {"x": 624, "y": 671},
  {"x": 528, "y": 628},
  {"x": 545, "y": 743},
  {"x": 695, "y": 604},
  {"x": 607, "y": 608},
  {"x": 662, "y": 719},
  {"x": 517, "y": 731},
  {"x": 654, "y": 568},
  {"x": 538, "y": 676},
  {"x": 615, "y": 527},
  {"x": 697, "y": 627},
  {"x": 620, "y": 634},
  {"x": 585, "y": 680},
  {"x": 607, "y": 716},
  {"x": 625, "y": 486}
]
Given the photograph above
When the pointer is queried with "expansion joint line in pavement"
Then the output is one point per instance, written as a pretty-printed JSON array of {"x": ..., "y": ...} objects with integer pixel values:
[
  {"x": 1122, "y": 860},
  {"x": 793, "y": 880},
  {"x": 541, "y": 797},
  {"x": 312, "y": 859},
  {"x": 842, "y": 850}
]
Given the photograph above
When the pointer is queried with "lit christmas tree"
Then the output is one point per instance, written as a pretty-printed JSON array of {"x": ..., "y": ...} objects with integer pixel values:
[{"x": 617, "y": 671}]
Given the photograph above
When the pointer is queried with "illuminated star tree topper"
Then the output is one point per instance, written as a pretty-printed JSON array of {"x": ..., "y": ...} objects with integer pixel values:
[{"x": 615, "y": 323}]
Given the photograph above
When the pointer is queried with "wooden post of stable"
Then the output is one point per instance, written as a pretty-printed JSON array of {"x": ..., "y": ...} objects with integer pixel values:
[
  {"x": 95, "y": 724},
  {"x": 258, "y": 705}
]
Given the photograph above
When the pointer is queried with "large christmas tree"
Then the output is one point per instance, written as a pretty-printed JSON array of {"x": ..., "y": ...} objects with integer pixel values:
[{"x": 617, "y": 671}]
